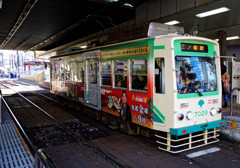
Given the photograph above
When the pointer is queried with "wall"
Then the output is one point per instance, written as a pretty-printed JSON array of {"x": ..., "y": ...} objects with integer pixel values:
[{"x": 36, "y": 78}]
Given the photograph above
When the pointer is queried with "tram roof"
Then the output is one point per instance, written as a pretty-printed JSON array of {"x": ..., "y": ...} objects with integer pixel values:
[
  {"x": 100, "y": 47},
  {"x": 145, "y": 40}
]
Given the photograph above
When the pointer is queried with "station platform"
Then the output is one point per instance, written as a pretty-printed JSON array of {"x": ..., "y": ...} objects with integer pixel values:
[
  {"x": 13, "y": 151},
  {"x": 232, "y": 127}
]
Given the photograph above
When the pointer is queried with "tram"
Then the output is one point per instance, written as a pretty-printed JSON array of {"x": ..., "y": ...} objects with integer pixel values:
[{"x": 167, "y": 84}]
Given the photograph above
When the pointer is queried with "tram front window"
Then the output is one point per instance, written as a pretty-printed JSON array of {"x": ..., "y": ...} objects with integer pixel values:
[{"x": 195, "y": 74}]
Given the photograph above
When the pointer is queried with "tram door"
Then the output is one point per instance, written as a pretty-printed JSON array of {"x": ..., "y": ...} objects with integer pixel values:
[
  {"x": 159, "y": 90},
  {"x": 92, "y": 87}
]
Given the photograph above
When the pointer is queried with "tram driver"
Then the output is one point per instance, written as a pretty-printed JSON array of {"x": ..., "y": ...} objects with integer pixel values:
[{"x": 180, "y": 81}]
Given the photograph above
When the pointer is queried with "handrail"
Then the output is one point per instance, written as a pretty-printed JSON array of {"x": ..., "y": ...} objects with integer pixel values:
[
  {"x": 42, "y": 158},
  {"x": 232, "y": 98}
]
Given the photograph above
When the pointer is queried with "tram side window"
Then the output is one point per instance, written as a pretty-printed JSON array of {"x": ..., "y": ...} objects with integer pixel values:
[
  {"x": 67, "y": 71},
  {"x": 139, "y": 74},
  {"x": 56, "y": 70},
  {"x": 120, "y": 73},
  {"x": 106, "y": 73},
  {"x": 62, "y": 71},
  {"x": 93, "y": 72},
  {"x": 159, "y": 75},
  {"x": 80, "y": 72},
  {"x": 73, "y": 76}
]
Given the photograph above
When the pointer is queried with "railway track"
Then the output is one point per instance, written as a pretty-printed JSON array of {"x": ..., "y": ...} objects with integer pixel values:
[
  {"x": 47, "y": 124},
  {"x": 85, "y": 131}
]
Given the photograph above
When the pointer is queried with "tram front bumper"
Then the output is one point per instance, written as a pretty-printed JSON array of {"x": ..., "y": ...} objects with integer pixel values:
[{"x": 197, "y": 128}]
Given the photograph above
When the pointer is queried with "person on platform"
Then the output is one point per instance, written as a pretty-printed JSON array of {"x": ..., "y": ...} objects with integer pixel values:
[{"x": 225, "y": 84}]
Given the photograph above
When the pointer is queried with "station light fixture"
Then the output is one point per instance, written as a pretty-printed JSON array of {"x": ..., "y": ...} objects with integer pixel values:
[
  {"x": 173, "y": 22},
  {"x": 213, "y": 12},
  {"x": 111, "y": 1},
  {"x": 128, "y": 4},
  {"x": 1, "y": 4},
  {"x": 83, "y": 47},
  {"x": 125, "y": 4},
  {"x": 233, "y": 38},
  {"x": 230, "y": 38}
]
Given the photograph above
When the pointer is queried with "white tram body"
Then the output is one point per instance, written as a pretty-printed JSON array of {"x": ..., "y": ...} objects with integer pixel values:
[{"x": 171, "y": 84}]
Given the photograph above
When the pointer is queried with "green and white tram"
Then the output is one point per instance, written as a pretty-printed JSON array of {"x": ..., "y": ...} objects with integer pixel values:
[{"x": 168, "y": 84}]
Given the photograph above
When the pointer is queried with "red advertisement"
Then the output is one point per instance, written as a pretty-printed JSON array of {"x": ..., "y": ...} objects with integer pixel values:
[
  {"x": 75, "y": 91},
  {"x": 130, "y": 106}
]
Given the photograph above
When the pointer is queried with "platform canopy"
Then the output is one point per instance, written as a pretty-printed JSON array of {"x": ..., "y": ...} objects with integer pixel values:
[{"x": 48, "y": 24}]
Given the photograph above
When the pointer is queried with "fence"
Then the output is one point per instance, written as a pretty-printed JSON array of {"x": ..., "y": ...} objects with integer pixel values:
[{"x": 235, "y": 101}]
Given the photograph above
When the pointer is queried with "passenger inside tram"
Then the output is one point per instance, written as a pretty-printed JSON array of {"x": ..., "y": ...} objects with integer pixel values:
[
  {"x": 139, "y": 82},
  {"x": 119, "y": 83},
  {"x": 195, "y": 74},
  {"x": 180, "y": 83}
]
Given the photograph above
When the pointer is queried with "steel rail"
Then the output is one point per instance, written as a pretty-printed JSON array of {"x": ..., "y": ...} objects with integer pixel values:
[
  {"x": 38, "y": 92},
  {"x": 19, "y": 126},
  {"x": 32, "y": 103},
  {"x": 83, "y": 141},
  {"x": 44, "y": 158}
]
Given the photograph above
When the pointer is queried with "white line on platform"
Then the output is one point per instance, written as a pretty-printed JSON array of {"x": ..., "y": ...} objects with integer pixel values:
[{"x": 203, "y": 152}]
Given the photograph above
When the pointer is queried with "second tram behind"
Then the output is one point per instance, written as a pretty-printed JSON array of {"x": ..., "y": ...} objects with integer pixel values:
[{"x": 170, "y": 84}]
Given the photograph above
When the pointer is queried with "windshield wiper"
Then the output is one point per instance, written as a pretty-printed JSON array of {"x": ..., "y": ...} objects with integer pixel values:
[{"x": 196, "y": 89}]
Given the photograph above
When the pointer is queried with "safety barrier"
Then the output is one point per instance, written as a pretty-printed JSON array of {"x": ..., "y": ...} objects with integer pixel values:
[
  {"x": 42, "y": 160},
  {"x": 235, "y": 100}
]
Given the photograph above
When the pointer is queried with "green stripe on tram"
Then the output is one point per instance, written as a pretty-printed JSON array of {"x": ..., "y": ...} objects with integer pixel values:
[
  {"x": 159, "y": 47},
  {"x": 159, "y": 114}
]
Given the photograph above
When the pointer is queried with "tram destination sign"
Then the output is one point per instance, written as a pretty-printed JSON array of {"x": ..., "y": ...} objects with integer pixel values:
[
  {"x": 126, "y": 52},
  {"x": 194, "y": 47}
]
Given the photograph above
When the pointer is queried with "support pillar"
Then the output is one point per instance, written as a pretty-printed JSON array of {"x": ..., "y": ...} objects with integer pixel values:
[{"x": 222, "y": 44}]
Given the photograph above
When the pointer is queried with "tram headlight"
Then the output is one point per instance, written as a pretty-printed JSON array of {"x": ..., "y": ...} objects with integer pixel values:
[
  {"x": 213, "y": 111},
  {"x": 180, "y": 116},
  {"x": 219, "y": 109},
  {"x": 189, "y": 115}
]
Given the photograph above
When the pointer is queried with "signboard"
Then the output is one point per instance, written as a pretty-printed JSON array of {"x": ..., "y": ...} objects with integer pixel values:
[
  {"x": 135, "y": 51},
  {"x": 194, "y": 47}
]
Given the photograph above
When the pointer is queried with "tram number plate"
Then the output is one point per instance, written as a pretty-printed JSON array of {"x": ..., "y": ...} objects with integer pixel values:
[{"x": 201, "y": 113}]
